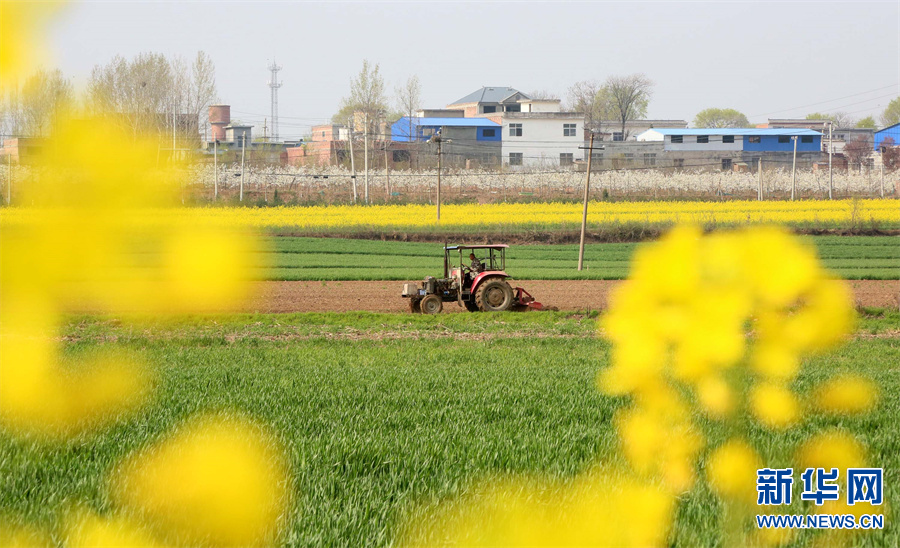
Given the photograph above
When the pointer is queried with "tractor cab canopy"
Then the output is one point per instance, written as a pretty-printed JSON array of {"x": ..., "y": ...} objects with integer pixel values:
[{"x": 493, "y": 256}]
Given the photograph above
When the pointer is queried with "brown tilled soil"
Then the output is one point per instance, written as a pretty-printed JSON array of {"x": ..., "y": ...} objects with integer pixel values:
[{"x": 561, "y": 294}]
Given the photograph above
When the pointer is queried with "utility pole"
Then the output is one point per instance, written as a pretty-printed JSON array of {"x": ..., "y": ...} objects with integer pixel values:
[
  {"x": 587, "y": 191},
  {"x": 882, "y": 171},
  {"x": 216, "y": 169},
  {"x": 436, "y": 138},
  {"x": 759, "y": 193},
  {"x": 352, "y": 163},
  {"x": 387, "y": 172},
  {"x": 366, "y": 157},
  {"x": 265, "y": 133},
  {"x": 8, "y": 179},
  {"x": 794, "y": 168},
  {"x": 440, "y": 168},
  {"x": 243, "y": 147},
  {"x": 830, "y": 152}
]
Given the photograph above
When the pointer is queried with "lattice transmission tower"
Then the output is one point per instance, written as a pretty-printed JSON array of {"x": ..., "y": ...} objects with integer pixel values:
[{"x": 274, "y": 84}]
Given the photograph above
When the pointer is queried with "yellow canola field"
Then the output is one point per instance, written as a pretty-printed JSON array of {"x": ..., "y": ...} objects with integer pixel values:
[{"x": 315, "y": 218}]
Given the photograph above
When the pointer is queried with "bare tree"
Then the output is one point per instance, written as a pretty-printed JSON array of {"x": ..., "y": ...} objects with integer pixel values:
[
  {"x": 409, "y": 100},
  {"x": 890, "y": 154},
  {"x": 840, "y": 119},
  {"x": 588, "y": 96},
  {"x": 543, "y": 95},
  {"x": 858, "y": 150},
  {"x": 151, "y": 94},
  {"x": 203, "y": 89},
  {"x": 44, "y": 95},
  {"x": 628, "y": 97},
  {"x": 10, "y": 113}
]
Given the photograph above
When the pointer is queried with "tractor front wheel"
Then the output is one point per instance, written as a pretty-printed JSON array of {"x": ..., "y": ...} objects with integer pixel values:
[
  {"x": 431, "y": 304},
  {"x": 494, "y": 296}
]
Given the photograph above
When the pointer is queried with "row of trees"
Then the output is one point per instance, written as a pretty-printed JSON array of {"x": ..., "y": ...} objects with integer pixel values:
[
  {"x": 728, "y": 117},
  {"x": 618, "y": 98},
  {"x": 147, "y": 95}
]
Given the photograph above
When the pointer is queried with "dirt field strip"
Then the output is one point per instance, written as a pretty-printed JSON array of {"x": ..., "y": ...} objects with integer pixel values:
[{"x": 566, "y": 295}]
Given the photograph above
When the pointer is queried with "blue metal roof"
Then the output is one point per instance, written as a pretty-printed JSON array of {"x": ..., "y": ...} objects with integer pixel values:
[
  {"x": 735, "y": 131},
  {"x": 454, "y": 122}
]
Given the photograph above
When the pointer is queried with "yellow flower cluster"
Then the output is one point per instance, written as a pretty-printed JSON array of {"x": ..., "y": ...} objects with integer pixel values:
[
  {"x": 720, "y": 323},
  {"x": 596, "y": 509},
  {"x": 323, "y": 218},
  {"x": 218, "y": 481},
  {"x": 684, "y": 316}
]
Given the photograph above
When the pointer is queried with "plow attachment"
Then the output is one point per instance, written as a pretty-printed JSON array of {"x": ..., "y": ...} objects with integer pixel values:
[{"x": 524, "y": 301}]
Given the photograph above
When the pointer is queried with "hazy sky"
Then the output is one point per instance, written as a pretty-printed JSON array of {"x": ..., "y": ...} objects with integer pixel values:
[{"x": 778, "y": 59}]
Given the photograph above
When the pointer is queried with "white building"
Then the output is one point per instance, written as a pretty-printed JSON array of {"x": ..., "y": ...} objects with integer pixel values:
[{"x": 540, "y": 135}]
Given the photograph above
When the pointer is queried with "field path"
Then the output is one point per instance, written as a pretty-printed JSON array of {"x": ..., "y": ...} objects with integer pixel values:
[{"x": 563, "y": 294}]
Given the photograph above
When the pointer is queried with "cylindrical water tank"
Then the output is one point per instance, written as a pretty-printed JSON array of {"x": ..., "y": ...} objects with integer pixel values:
[{"x": 220, "y": 114}]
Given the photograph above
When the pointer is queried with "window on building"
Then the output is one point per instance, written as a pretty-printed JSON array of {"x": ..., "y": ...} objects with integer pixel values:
[
  {"x": 427, "y": 131},
  {"x": 728, "y": 138},
  {"x": 489, "y": 132},
  {"x": 784, "y": 138},
  {"x": 569, "y": 130},
  {"x": 703, "y": 138},
  {"x": 678, "y": 163},
  {"x": 677, "y": 139},
  {"x": 566, "y": 158},
  {"x": 597, "y": 158},
  {"x": 649, "y": 159},
  {"x": 515, "y": 130},
  {"x": 487, "y": 109},
  {"x": 629, "y": 157},
  {"x": 806, "y": 139},
  {"x": 513, "y": 108},
  {"x": 323, "y": 134},
  {"x": 515, "y": 158},
  {"x": 618, "y": 136},
  {"x": 726, "y": 164},
  {"x": 755, "y": 139},
  {"x": 399, "y": 155}
]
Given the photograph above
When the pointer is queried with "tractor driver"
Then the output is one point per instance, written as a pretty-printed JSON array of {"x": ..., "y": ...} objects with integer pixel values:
[{"x": 476, "y": 265}]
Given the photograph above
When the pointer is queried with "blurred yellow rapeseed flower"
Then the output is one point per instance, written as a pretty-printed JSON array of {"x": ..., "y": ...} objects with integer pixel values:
[
  {"x": 595, "y": 509},
  {"x": 217, "y": 481},
  {"x": 21, "y": 37},
  {"x": 88, "y": 530},
  {"x": 722, "y": 322},
  {"x": 831, "y": 449},
  {"x": 846, "y": 395},
  {"x": 774, "y": 405},
  {"x": 731, "y": 471},
  {"x": 90, "y": 242}
]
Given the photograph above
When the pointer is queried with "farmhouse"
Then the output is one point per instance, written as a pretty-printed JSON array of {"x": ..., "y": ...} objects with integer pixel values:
[
  {"x": 722, "y": 148},
  {"x": 466, "y": 141}
]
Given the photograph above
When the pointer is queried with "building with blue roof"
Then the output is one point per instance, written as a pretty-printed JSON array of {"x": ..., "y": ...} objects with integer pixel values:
[
  {"x": 465, "y": 140},
  {"x": 891, "y": 131},
  {"x": 703, "y": 147}
]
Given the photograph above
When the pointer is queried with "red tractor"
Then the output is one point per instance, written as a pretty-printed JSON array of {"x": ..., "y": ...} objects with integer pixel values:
[{"x": 478, "y": 283}]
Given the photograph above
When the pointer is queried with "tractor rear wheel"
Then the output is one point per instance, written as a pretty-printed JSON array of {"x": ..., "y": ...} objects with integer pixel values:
[
  {"x": 431, "y": 304},
  {"x": 414, "y": 306},
  {"x": 494, "y": 296}
]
